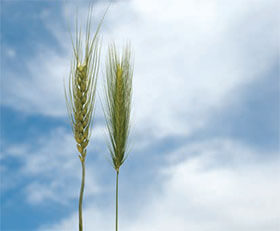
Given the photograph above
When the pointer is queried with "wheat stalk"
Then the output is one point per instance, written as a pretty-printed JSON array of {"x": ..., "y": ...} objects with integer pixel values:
[
  {"x": 80, "y": 93},
  {"x": 118, "y": 89}
]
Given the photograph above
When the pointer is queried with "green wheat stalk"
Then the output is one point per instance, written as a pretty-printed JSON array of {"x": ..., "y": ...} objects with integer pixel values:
[
  {"x": 80, "y": 93},
  {"x": 118, "y": 89}
]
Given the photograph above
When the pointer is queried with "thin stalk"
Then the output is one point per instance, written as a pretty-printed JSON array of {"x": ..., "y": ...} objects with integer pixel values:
[
  {"x": 117, "y": 199},
  {"x": 81, "y": 196}
]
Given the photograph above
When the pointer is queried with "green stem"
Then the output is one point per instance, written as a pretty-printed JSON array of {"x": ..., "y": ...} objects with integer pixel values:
[
  {"x": 81, "y": 196},
  {"x": 117, "y": 199}
]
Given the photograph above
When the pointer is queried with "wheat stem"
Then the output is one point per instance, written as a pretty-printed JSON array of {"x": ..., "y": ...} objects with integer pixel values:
[
  {"x": 117, "y": 198},
  {"x": 81, "y": 197}
]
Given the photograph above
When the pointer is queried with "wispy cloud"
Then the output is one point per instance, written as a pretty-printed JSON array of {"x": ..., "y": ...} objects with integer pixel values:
[
  {"x": 53, "y": 161},
  {"x": 208, "y": 49},
  {"x": 218, "y": 185}
]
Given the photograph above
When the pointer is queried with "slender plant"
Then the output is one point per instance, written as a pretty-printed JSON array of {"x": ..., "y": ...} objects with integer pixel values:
[
  {"x": 80, "y": 93},
  {"x": 118, "y": 89}
]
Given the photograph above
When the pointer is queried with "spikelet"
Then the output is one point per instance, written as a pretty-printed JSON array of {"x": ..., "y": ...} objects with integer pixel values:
[
  {"x": 118, "y": 89},
  {"x": 80, "y": 96}
]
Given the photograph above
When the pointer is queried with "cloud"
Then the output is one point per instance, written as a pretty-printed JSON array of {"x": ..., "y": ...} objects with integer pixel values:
[
  {"x": 252, "y": 117},
  {"x": 199, "y": 192},
  {"x": 41, "y": 90},
  {"x": 50, "y": 165},
  {"x": 188, "y": 60}
]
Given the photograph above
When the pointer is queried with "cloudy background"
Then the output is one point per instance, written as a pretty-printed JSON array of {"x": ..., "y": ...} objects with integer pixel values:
[{"x": 205, "y": 134}]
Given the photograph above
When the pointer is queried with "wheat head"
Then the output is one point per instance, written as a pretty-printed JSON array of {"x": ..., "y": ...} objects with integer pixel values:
[
  {"x": 80, "y": 96},
  {"x": 118, "y": 89},
  {"x": 80, "y": 93}
]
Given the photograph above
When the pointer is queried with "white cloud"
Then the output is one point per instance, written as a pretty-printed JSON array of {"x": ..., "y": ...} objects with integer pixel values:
[
  {"x": 240, "y": 195},
  {"x": 52, "y": 163},
  {"x": 189, "y": 58},
  {"x": 42, "y": 90}
]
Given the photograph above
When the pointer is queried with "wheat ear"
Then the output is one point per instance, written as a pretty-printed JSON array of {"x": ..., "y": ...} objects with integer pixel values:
[
  {"x": 80, "y": 93},
  {"x": 118, "y": 89}
]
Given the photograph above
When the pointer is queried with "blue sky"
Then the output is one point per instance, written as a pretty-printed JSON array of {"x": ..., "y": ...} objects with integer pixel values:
[{"x": 205, "y": 135}]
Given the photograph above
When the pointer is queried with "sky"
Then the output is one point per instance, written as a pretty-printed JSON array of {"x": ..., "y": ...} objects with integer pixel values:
[{"x": 205, "y": 136}]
